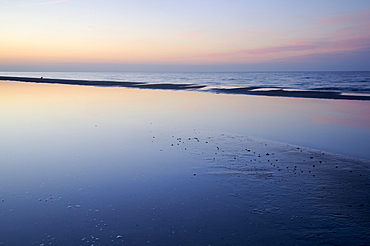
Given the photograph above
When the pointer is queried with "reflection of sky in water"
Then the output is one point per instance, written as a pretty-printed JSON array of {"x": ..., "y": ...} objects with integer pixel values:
[
  {"x": 40, "y": 108},
  {"x": 85, "y": 161},
  {"x": 331, "y": 125}
]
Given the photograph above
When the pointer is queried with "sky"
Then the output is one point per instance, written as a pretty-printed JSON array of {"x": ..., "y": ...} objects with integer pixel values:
[{"x": 191, "y": 35}]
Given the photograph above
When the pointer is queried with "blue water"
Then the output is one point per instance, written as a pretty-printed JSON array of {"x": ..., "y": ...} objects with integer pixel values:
[
  {"x": 110, "y": 166},
  {"x": 344, "y": 82}
]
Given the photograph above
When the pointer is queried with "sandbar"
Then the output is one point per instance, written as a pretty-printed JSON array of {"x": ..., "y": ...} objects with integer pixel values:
[{"x": 170, "y": 86}]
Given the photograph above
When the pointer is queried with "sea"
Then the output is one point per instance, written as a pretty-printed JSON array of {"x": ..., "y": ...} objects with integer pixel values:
[{"x": 343, "y": 81}]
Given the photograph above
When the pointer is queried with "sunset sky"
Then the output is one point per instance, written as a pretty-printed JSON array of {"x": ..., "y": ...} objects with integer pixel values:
[{"x": 191, "y": 35}]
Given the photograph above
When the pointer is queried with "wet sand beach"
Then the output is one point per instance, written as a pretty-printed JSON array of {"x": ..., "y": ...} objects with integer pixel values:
[{"x": 83, "y": 165}]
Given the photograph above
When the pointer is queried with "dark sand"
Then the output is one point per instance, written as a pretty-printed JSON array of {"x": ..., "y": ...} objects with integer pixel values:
[
  {"x": 170, "y": 86},
  {"x": 285, "y": 93},
  {"x": 104, "y": 83}
]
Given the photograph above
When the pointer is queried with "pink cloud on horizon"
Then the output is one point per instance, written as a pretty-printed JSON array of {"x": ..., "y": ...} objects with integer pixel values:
[
  {"x": 330, "y": 35},
  {"x": 278, "y": 49},
  {"x": 295, "y": 49}
]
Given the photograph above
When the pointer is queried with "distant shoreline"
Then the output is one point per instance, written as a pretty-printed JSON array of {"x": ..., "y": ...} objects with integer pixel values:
[{"x": 278, "y": 92}]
